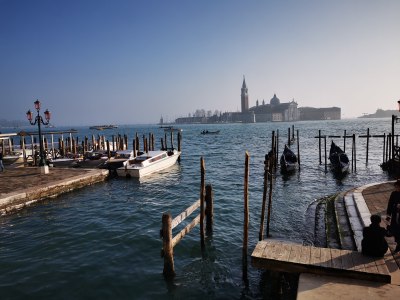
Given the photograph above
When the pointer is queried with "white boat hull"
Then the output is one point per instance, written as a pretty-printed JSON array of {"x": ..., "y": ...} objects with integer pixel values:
[{"x": 138, "y": 171}]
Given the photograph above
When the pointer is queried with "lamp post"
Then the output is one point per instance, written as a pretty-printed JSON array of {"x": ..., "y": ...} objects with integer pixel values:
[
  {"x": 39, "y": 121},
  {"x": 395, "y": 119}
]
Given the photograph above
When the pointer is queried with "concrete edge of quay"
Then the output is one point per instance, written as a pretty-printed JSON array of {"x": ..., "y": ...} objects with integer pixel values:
[{"x": 15, "y": 201}]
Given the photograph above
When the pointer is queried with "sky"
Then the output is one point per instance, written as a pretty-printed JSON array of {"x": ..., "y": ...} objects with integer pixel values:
[{"x": 131, "y": 62}]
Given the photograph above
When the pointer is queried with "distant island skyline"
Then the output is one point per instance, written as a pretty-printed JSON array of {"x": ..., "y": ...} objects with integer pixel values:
[
  {"x": 380, "y": 113},
  {"x": 4, "y": 123}
]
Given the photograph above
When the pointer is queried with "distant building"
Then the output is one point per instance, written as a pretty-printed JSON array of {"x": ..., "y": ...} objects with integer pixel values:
[
  {"x": 274, "y": 111},
  {"x": 311, "y": 113},
  {"x": 244, "y": 96}
]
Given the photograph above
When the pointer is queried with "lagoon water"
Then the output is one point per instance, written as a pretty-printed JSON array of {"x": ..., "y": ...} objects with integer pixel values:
[{"x": 103, "y": 241}]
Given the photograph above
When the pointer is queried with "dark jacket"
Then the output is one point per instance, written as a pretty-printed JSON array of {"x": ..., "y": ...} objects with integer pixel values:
[
  {"x": 374, "y": 243},
  {"x": 393, "y": 201}
]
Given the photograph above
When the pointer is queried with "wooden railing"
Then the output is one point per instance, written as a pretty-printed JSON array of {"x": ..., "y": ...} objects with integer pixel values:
[{"x": 168, "y": 224}]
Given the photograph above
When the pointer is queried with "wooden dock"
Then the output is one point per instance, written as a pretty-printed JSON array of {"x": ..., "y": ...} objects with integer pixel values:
[{"x": 286, "y": 257}]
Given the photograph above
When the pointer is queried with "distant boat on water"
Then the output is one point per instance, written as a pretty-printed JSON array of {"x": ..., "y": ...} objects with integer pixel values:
[
  {"x": 210, "y": 132},
  {"x": 102, "y": 127},
  {"x": 171, "y": 128}
]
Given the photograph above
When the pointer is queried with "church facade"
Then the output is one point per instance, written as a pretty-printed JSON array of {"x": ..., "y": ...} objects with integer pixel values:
[{"x": 274, "y": 111}]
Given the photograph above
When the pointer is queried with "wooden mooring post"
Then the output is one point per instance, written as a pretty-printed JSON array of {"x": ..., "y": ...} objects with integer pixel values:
[
  {"x": 269, "y": 198},
  {"x": 179, "y": 145},
  {"x": 246, "y": 217},
  {"x": 202, "y": 198},
  {"x": 298, "y": 149},
  {"x": 264, "y": 199},
  {"x": 205, "y": 203},
  {"x": 326, "y": 163}
]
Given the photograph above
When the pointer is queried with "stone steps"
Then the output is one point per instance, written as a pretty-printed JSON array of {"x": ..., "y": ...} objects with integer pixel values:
[
  {"x": 343, "y": 224},
  {"x": 344, "y": 228}
]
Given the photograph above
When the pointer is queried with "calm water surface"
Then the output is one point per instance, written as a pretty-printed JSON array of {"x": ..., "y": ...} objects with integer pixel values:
[{"x": 103, "y": 241}]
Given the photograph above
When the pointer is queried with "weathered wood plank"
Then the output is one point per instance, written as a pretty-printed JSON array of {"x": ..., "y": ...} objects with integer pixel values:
[
  {"x": 347, "y": 260},
  {"x": 183, "y": 215},
  {"x": 305, "y": 255},
  {"x": 287, "y": 257},
  {"x": 315, "y": 258},
  {"x": 284, "y": 252},
  {"x": 358, "y": 263},
  {"x": 326, "y": 258},
  {"x": 258, "y": 250},
  {"x": 295, "y": 253},
  {"x": 369, "y": 264},
  {"x": 176, "y": 239},
  {"x": 336, "y": 259},
  {"x": 381, "y": 266},
  {"x": 272, "y": 251}
]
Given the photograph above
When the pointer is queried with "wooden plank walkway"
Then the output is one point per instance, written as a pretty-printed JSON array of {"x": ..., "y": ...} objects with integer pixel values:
[{"x": 285, "y": 257}]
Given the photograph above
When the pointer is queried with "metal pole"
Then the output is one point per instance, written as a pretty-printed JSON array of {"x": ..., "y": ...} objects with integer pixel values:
[{"x": 41, "y": 161}]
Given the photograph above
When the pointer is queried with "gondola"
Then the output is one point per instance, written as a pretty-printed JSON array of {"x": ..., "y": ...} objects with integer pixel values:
[
  {"x": 288, "y": 160},
  {"x": 339, "y": 160}
]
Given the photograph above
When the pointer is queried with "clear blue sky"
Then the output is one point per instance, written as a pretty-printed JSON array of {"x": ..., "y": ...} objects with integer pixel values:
[{"x": 126, "y": 62}]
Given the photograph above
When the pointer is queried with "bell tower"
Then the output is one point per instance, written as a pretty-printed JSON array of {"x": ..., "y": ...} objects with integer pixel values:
[{"x": 244, "y": 97}]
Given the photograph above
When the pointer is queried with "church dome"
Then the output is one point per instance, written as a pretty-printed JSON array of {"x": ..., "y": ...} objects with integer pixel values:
[{"x": 275, "y": 100}]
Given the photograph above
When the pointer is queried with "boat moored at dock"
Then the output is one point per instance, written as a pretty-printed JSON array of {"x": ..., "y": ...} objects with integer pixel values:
[
  {"x": 148, "y": 163},
  {"x": 339, "y": 160},
  {"x": 288, "y": 160}
]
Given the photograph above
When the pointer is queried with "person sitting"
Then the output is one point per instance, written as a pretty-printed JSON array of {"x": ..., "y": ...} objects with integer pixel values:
[{"x": 374, "y": 242}]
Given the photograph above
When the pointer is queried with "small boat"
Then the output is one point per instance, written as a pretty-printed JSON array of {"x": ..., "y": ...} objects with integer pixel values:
[
  {"x": 210, "y": 132},
  {"x": 148, "y": 163},
  {"x": 288, "y": 160},
  {"x": 170, "y": 128},
  {"x": 117, "y": 160},
  {"x": 338, "y": 158},
  {"x": 102, "y": 127},
  {"x": 13, "y": 157},
  {"x": 63, "y": 162}
]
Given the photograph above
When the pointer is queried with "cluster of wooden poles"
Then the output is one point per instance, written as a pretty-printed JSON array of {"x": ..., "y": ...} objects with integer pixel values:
[
  {"x": 73, "y": 147},
  {"x": 390, "y": 146},
  {"x": 270, "y": 165},
  {"x": 205, "y": 203}
]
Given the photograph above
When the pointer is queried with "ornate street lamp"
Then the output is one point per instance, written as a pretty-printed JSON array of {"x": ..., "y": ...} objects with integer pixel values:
[{"x": 39, "y": 120}]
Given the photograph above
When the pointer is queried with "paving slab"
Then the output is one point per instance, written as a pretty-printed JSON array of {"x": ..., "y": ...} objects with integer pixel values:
[{"x": 20, "y": 187}]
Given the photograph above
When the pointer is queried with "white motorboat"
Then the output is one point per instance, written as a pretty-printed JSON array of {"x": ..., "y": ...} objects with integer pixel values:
[
  {"x": 13, "y": 157},
  {"x": 148, "y": 163}
]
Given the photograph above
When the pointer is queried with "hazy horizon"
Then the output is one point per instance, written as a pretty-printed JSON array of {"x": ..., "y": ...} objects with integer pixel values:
[{"x": 131, "y": 62}]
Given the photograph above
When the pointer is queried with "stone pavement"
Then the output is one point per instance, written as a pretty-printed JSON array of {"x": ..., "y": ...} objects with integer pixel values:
[
  {"x": 18, "y": 179},
  {"x": 23, "y": 186}
]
